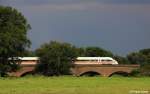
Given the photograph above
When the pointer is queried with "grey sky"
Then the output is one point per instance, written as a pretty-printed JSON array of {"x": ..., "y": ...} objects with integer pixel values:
[{"x": 121, "y": 26}]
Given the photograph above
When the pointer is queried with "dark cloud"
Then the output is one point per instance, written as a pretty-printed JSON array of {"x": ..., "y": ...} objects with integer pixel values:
[
  {"x": 2, "y": 2},
  {"x": 128, "y": 1},
  {"x": 111, "y": 24},
  {"x": 41, "y": 2},
  {"x": 82, "y": 1}
]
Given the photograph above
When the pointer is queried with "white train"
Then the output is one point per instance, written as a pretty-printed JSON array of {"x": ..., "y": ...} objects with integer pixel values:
[
  {"x": 95, "y": 60},
  {"x": 26, "y": 60}
]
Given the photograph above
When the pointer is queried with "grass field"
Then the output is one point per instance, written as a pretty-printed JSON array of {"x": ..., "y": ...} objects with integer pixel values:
[{"x": 75, "y": 85}]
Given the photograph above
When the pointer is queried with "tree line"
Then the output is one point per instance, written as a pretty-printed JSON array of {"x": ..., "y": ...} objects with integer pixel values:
[{"x": 55, "y": 57}]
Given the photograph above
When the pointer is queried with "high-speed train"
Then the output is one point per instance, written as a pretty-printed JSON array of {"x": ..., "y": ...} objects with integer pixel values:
[{"x": 95, "y": 60}]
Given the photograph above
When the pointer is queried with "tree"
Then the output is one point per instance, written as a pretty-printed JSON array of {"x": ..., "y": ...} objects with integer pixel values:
[
  {"x": 146, "y": 55},
  {"x": 121, "y": 60},
  {"x": 55, "y": 58},
  {"x": 81, "y": 52},
  {"x": 13, "y": 38},
  {"x": 96, "y": 51},
  {"x": 136, "y": 58},
  {"x": 28, "y": 53},
  {"x": 141, "y": 57}
]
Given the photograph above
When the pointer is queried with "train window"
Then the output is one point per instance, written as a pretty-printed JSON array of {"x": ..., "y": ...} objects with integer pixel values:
[{"x": 106, "y": 60}]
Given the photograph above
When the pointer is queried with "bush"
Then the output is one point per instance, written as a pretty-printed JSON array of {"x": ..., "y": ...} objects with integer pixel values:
[
  {"x": 55, "y": 58},
  {"x": 135, "y": 73},
  {"x": 145, "y": 70}
]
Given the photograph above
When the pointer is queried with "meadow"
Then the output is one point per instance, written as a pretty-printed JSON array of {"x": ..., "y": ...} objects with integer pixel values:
[{"x": 75, "y": 85}]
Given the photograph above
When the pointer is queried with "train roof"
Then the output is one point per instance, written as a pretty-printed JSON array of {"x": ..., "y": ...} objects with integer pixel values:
[
  {"x": 94, "y": 58},
  {"x": 25, "y": 58}
]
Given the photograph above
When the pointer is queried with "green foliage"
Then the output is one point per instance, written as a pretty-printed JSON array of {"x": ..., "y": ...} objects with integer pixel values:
[
  {"x": 145, "y": 70},
  {"x": 13, "y": 39},
  {"x": 135, "y": 73},
  {"x": 121, "y": 60},
  {"x": 28, "y": 53},
  {"x": 136, "y": 58},
  {"x": 96, "y": 51},
  {"x": 55, "y": 58},
  {"x": 141, "y": 57},
  {"x": 93, "y": 52},
  {"x": 81, "y": 51}
]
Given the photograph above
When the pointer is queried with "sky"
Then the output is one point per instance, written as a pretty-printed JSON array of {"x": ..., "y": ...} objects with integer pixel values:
[{"x": 120, "y": 26}]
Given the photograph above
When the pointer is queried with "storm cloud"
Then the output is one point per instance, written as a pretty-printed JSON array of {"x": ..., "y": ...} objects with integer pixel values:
[{"x": 121, "y": 26}]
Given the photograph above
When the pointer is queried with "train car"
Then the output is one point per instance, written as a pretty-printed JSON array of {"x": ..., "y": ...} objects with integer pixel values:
[
  {"x": 26, "y": 60},
  {"x": 95, "y": 60}
]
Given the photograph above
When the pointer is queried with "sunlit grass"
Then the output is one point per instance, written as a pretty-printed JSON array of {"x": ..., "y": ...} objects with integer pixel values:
[{"x": 73, "y": 85}]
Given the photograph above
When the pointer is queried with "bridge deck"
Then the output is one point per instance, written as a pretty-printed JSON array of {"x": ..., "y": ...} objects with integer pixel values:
[{"x": 107, "y": 65}]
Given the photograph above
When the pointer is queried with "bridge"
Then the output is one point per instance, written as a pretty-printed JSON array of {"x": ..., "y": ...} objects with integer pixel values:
[
  {"x": 81, "y": 69},
  {"x": 25, "y": 69},
  {"x": 103, "y": 70}
]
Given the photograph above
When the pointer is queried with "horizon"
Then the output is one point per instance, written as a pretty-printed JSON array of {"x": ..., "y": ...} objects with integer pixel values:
[{"x": 120, "y": 26}]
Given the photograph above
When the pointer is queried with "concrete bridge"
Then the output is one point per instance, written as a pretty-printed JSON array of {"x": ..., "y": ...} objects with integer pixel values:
[{"x": 81, "y": 69}]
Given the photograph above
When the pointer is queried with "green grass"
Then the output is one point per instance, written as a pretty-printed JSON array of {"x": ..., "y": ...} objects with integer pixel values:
[{"x": 74, "y": 85}]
